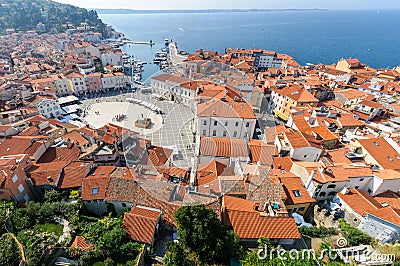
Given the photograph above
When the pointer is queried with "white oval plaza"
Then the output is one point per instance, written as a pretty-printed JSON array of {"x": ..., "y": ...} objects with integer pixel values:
[{"x": 99, "y": 114}]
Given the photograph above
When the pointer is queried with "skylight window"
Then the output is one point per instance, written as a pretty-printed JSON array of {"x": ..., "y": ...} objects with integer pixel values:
[
  {"x": 390, "y": 159},
  {"x": 376, "y": 144},
  {"x": 95, "y": 191},
  {"x": 296, "y": 193}
]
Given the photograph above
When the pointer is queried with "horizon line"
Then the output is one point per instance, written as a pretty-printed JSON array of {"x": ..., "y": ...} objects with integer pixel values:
[{"x": 243, "y": 9}]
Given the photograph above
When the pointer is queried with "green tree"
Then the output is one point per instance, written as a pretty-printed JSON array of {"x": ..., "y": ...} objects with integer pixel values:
[
  {"x": 21, "y": 219},
  {"x": 6, "y": 209},
  {"x": 177, "y": 255},
  {"x": 110, "y": 241},
  {"x": 9, "y": 251},
  {"x": 353, "y": 235},
  {"x": 52, "y": 196},
  {"x": 200, "y": 230}
]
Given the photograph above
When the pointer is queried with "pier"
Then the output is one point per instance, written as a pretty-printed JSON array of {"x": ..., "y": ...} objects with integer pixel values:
[
  {"x": 137, "y": 42},
  {"x": 174, "y": 57}
]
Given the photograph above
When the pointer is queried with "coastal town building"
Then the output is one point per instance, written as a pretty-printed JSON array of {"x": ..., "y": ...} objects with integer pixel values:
[
  {"x": 249, "y": 133},
  {"x": 47, "y": 107},
  {"x": 372, "y": 215},
  {"x": 78, "y": 83},
  {"x": 284, "y": 99}
]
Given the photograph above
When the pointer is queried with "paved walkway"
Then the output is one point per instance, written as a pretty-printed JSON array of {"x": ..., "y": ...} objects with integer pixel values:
[
  {"x": 21, "y": 248},
  {"x": 174, "y": 57}
]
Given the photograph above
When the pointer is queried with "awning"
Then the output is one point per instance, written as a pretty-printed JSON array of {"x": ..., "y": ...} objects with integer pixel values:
[{"x": 281, "y": 115}]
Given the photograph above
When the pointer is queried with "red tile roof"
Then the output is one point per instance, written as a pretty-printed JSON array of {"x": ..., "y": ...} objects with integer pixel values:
[
  {"x": 271, "y": 132},
  {"x": 81, "y": 243},
  {"x": 94, "y": 188},
  {"x": 251, "y": 224},
  {"x": 284, "y": 163},
  {"x": 223, "y": 147},
  {"x": 170, "y": 78},
  {"x": 348, "y": 120},
  {"x": 387, "y": 214},
  {"x": 19, "y": 145},
  {"x": 141, "y": 224},
  {"x": 158, "y": 155},
  {"x": 382, "y": 152},
  {"x": 261, "y": 152},
  {"x": 208, "y": 173},
  {"x": 391, "y": 198},
  {"x": 223, "y": 103},
  {"x": 297, "y": 140},
  {"x": 352, "y": 94},
  {"x": 76, "y": 137},
  {"x": 364, "y": 204},
  {"x": 74, "y": 174},
  {"x": 297, "y": 93},
  {"x": 291, "y": 184},
  {"x": 60, "y": 154},
  {"x": 47, "y": 173},
  {"x": 371, "y": 104}
]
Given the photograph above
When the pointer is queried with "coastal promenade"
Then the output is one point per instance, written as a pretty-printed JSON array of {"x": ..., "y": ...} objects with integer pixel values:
[{"x": 174, "y": 57}]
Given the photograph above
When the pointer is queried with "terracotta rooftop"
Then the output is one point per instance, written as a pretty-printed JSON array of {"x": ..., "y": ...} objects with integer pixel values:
[
  {"x": 284, "y": 163},
  {"x": 297, "y": 140},
  {"x": 19, "y": 145},
  {"x": 295, "y": 191},
  {"x": 170, "y": 78},
  {"x": 218, "y": 108},
  {"x": 94, "y": 188},
  {"x": 360, "y": 201},
  {"x": 297, "y": 93},
  {"x": 348, "y": 120},
  {"x": 271, "y": 132},
  {"x": 364, "y": 204},
  {"x": 222, "y": 101},
  {"x": 102, "y": 171},
  {"x": 81, "y": 243},
  {"x": 55, "y": 154},
  {"x": 387, "y": 174},
  {"x": 387, "y": 214},
  {"x": 352, "y": 94},
  {"x": 122, "y": 188},
  {"x": 74, "y": 173},
  {"x": 250, "y": 224},
  {"x": 158, "y": 155},
  {"x": 76, "y": 137},
  {"x": 391, "y": 198},
  {"x": 141, "y": 223},
  {"x": 382, "y": 152},
  {"x": 208, "y": 173},
  {"x": 371, "y": 104},
  {"x": 47, "y": 173},
  {"x": 222, "y": 147},
  {"x": 261, "y": 152},
  {"x": 338, "y": 156}
]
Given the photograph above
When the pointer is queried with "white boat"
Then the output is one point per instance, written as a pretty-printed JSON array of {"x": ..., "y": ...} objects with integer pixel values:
[
  {"x": 161, "y": 54},
  {"x": 159, "y": 59}
]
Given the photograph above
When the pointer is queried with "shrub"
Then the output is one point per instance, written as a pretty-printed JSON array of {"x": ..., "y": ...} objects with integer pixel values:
[{"x": 315, "y": 232}]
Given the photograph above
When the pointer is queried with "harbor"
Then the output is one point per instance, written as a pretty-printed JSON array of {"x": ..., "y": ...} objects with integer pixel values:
[{"x": 142, "y": 59}]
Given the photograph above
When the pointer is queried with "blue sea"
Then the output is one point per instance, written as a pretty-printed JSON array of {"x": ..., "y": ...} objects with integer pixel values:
[{"x": 317, "y": 36}]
